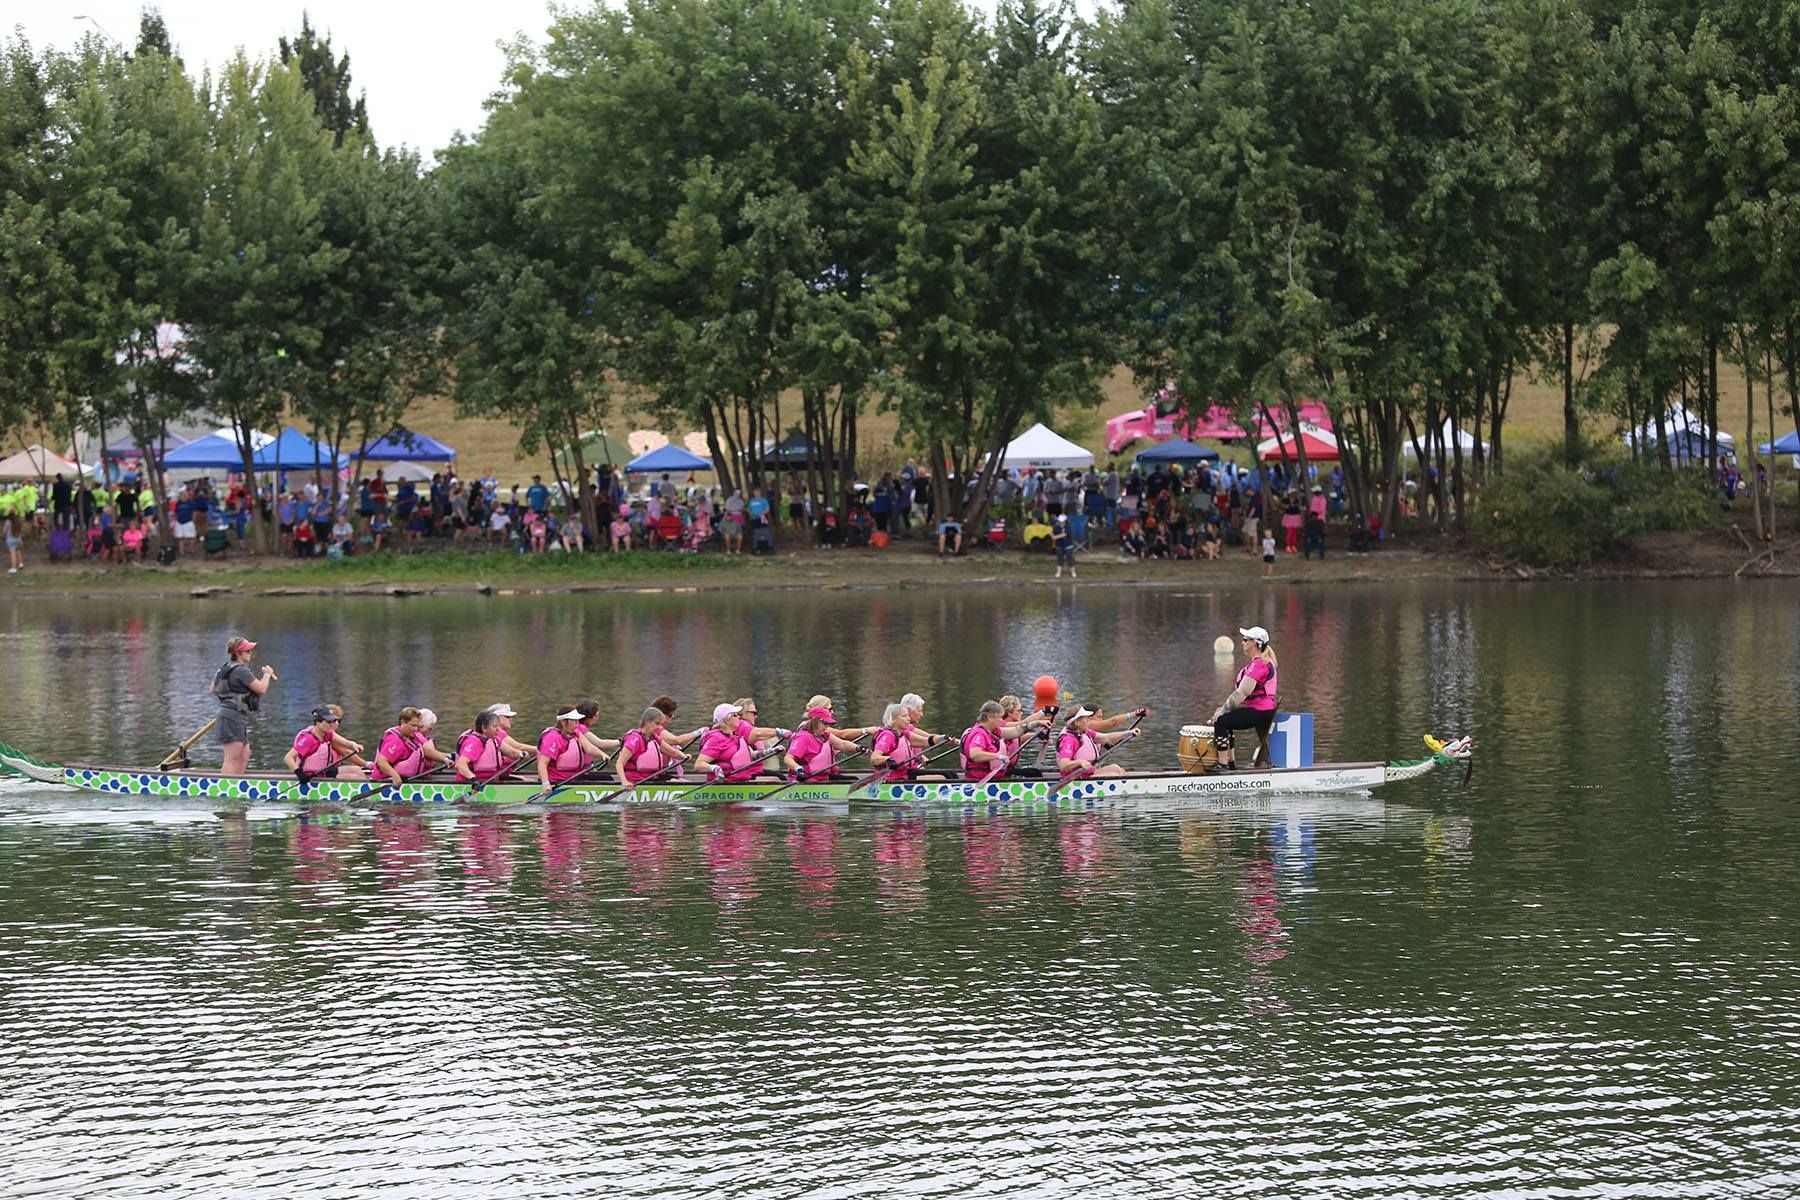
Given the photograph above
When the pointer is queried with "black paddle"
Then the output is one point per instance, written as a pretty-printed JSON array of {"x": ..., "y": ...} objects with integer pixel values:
[
  {"x": 382, "y": 787},
  {"x": 876, "y": 774},
  {"x": 803, "y": 777},
  {"x": 306, "y": 777},
  {"x": 1006, "y": 763},
  {"x": 475, "y": 785},
  {"x": 654, "y": 777},
  {"x": 571, "y": 781}
]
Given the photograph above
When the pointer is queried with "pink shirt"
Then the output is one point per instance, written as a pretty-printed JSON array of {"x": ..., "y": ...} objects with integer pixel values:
[
  {"x": 1073, "y": 746},
  {"x": 730, "y": 751},
  {"x": 403, "y": 753},
  {"x": 980, "y": 738},
  {"x": 1262, "y": 697},
  {"x": 314, "y": 754},
  {"x": 564, "y": 757},
  {"x": 814, "y": 755}
]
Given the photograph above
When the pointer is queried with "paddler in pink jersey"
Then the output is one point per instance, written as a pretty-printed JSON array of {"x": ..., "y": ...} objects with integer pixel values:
[
  {"x": 642, "y": 752},
  {"x": 899, "y": 740},
  {"x": 320, "y": 752},
  {"x": 825, "y": 702},
  {"x": 731, "y": 748},
  {"x": 981, "y": 752},
  {"x": 1251, "y": 704},
  {"x": 814, "y": 749},
  {"x": 562, "y": 752},
  {"x": 675, "y": 741},
  {"x": 1082, "y": 740},
  {"x": 481, "y": 751},
  {"x": 599, "y": 747},
  {"x": 406, "y": 748},
  {"x": 1016, "y": 726}
]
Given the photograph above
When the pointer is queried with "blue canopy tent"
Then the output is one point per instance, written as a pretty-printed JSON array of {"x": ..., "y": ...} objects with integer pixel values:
[
  {"x": 214, "y": 451},
  {"x": 403, "y": 445},
  {"x": 668, "y": 458},
  {"x": 1177, "y": 450},
  {"x": 294, "y": 451},
  {"x": 1786, "y": 444}
]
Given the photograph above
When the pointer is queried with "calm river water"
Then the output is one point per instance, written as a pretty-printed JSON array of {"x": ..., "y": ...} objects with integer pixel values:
[{"x": 1576, "y": 978}]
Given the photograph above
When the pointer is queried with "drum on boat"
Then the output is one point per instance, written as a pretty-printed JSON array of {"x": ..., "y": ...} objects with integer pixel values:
[{"x": 1196, "y": 751}]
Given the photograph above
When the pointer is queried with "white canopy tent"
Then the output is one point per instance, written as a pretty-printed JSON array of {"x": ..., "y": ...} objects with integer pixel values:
[
  {"x": 1043, "y": 448},
  {"x": 1450, "y": 436},
  {"x": 1683, "y": 429},
  {"x": 34, "y": 463}
]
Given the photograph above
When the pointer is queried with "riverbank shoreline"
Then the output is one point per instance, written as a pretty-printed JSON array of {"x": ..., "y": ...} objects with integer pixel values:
[{"x": 1709, "y": 554}]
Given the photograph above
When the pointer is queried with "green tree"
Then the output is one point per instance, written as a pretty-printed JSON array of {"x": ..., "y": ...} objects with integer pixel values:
[{"x": 327, "y": 79}]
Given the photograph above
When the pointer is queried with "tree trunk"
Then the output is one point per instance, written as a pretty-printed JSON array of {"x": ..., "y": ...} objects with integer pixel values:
[
  {"x": 1712, "y": 400},
  {"x": 1571, "y": 422},
  {"x": 1750, "y": 427}
]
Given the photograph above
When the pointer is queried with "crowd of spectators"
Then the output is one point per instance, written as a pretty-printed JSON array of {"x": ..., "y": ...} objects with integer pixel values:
[{"x": 1197, "y": 513}]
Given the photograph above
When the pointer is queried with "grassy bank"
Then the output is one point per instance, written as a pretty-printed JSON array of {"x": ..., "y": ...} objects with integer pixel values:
[{"x": 1419, "y": 554}]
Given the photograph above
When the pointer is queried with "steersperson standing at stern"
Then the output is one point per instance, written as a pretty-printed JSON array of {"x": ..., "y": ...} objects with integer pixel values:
[{"x": 240, "y": 691}]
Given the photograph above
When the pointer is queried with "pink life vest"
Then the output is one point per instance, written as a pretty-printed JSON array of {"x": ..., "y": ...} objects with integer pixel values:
[
  {"x": 1079, "y": 747},
  {"x": 315, "y": 755},
  {"x": 816, "y": 758},
  {"x": 412, "y": 758},
  {"x": 642, "y": 756},
  {"x": 900, "y": 752},
  {"x": 731, "y": 751},
  {"x": 484, "y": 756},
  {"x": 566, "y": 756},
  {"x": 1262, "y": 696},
  {"x": 975, "y": 737}
]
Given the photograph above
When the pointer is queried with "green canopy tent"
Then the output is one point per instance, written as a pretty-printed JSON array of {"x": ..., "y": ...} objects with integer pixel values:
[{"x": 600, "y": 449}]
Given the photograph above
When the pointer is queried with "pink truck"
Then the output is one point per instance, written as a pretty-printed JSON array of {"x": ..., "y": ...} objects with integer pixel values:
[{"x": 1166, "y": 416}]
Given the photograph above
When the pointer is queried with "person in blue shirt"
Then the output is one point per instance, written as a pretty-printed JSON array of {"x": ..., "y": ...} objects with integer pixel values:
[{"x": 537, "y": 496}]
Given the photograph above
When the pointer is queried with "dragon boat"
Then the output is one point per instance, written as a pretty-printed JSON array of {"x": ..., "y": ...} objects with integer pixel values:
[{"x": 183, "y": 788}]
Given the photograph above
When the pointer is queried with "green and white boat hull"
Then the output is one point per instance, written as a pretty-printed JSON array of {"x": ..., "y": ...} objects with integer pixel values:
[{"x": 189, "y": 788}]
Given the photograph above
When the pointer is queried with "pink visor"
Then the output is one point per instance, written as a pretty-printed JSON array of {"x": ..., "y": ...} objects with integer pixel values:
[{"x": 821, "y": 714}]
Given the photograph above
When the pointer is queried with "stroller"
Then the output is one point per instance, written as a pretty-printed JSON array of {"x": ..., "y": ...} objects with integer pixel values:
[
  {"x": 62, "y": 545},
  {"x": 762, "y": 538}
]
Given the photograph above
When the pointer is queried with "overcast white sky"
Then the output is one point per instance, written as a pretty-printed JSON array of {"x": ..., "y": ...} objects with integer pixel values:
[{"x": 426, "y": 67}]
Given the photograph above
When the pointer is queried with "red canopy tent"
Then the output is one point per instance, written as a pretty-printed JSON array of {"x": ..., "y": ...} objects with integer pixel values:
[{"x": 1320, "y": 445}]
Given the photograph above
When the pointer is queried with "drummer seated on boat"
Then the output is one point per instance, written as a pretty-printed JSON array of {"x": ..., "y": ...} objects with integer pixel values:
[
  {"x": 812, "y": 754},
  {"x": 320, "y": 752},
  {"x": 731, "y": 748},
  {"x": 562, "y": 750},
  {"x": 643, "y": 754},
  {"x": 406, "y": 749},
  {"x": 899, "y": 741},
  {"x": 1251, "y": 705},
  {"x": 982, "y": 756},
  {"x": 1082, "y": 741}
]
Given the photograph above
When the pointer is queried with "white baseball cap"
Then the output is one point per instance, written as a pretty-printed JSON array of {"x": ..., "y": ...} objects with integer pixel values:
[
  {"x": 1255, "y": 633},
  {"x": 574, "y": 714},
  {"x": 1082, "y": 710},
  {"x": 721, "y": 711},
  {"x": 502, "y": 710}
]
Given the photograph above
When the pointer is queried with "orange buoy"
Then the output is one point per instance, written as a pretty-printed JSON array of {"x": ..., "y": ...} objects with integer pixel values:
[{"x": 1044, "y": 691}]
